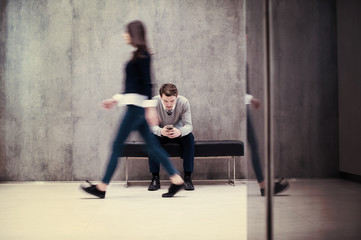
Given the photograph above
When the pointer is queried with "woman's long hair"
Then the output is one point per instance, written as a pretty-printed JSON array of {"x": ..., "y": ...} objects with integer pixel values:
[{"x": 137, "y": 33}]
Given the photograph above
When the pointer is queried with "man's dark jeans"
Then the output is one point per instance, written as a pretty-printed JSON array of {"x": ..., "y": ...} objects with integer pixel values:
[{"x": 187, "y": 151}]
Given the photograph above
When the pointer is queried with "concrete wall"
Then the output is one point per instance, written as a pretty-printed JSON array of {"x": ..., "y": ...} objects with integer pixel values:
[
  {"x": 61, "y": 58},
  {"x": 349, "y": 74},
  {"x": 2, "y": 84},
  {"x": 304, "y": 87},
  {"x": 255, "y": 73}
]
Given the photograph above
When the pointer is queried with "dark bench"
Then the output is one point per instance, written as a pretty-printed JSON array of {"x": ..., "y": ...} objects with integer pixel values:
[{"x": 228, "y": 149}]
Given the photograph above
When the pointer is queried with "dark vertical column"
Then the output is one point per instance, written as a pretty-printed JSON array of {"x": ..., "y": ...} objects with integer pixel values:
[{"x": 268, "y": 119}]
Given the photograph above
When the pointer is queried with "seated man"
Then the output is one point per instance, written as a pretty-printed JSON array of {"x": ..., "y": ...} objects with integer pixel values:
[{"x": 175, "y": 126}]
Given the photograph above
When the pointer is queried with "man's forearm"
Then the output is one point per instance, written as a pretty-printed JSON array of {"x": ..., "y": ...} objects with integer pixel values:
[{"x": 186, "y": 129}]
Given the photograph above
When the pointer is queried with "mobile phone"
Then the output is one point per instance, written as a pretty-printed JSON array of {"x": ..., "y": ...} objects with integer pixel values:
[{"x": 169, "y": 127}]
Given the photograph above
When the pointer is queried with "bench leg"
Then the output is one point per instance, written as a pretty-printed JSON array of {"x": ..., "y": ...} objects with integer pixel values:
[
  {"x": 126, "y": 172},
  {"x": 229, "y": 171},
  {"x": 234, "y": 170},
  {"x": 230, "y": 181}
]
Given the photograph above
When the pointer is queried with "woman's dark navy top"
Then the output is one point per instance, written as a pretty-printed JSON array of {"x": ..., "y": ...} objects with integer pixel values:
[{"x": 137, "y": 76}]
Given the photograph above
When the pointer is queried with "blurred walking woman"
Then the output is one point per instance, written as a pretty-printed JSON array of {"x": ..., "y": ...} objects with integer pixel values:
[{"x": 140, "y": 109}]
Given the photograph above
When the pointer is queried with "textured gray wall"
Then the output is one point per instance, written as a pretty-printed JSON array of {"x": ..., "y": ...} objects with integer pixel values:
[
  {"x": 255, "y": 73},
  {"x": 305, "y": 85},
  {"x": 2, "y": 84},
  {"x": 349, "y": 52},
  {"x": 305, "y": 89},
  {"x": 61, "y": 58}
]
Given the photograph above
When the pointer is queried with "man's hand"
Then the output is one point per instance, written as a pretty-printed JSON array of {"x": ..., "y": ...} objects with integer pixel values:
[
  {"x": 151, "y": 116},
  {"x": 172, "y": 133},
  {"x": 256, "y": 103},
  {"x": 108, "y": 103}
]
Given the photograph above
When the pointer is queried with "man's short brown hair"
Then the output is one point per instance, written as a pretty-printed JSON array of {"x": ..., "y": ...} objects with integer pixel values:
[{"x": 168, "y": 89}]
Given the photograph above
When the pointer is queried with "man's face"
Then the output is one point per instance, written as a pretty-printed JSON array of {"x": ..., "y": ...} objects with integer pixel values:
[{"x": 168, "y": 102}]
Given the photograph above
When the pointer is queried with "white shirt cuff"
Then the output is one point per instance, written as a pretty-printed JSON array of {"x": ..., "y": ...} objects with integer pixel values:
[
  {"x": 150, "y": 103},
  {"x": 134, "y": 99},
  {"x": 248, "y": 98},
  {"x": 118, "y": 98}
]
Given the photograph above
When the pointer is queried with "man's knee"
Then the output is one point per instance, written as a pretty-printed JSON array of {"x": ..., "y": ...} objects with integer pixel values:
[{"x": 188, "y": 138}]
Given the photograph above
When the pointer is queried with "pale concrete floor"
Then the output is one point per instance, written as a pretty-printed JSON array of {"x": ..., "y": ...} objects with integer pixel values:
[
  {"x": 57, "y": 210},
  {"x": 311, "y": 209}
]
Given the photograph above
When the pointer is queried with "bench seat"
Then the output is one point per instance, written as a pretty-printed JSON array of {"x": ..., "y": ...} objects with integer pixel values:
[{"x": 228, "y": 149}]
